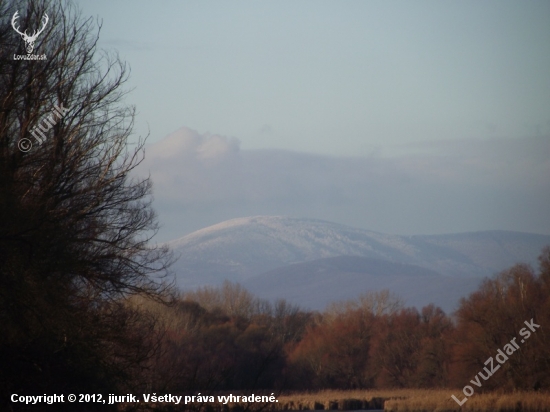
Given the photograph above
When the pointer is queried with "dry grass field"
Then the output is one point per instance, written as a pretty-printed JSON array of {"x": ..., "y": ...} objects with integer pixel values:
[
  {"x": 414, "y": 400},
  {"x": 397, "y": 400}
]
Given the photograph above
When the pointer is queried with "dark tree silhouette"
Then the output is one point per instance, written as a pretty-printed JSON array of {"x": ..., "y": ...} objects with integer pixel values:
[{"x": 75, "y": 227}]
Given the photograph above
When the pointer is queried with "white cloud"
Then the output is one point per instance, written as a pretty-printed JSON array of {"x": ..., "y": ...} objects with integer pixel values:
[
  {"x": 190, "y": 145},
  {"x": 442, "y": 187}
]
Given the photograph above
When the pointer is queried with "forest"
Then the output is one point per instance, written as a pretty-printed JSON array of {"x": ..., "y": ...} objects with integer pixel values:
[{"x": 224, "y": 338}]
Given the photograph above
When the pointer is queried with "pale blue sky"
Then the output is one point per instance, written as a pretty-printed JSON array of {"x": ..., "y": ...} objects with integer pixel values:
[
  {"x": 334, "y": 77},
  {"x": 402, "y": 117}
]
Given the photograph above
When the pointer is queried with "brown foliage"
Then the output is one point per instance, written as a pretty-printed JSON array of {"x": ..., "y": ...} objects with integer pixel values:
[
  {"x": 354, "y": 347},
  {"x": 334, "y": 354},
  {"x": 206, "y": 350},
  {"x": 359, "y": 349},
  {"x": 491, "y": 317}
]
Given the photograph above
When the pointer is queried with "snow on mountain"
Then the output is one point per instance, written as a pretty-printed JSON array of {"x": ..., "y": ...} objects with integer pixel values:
[{"x": 245, "y": 248}]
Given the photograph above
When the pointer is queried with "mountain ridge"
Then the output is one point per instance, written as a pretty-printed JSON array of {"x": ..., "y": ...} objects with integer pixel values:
[
  {"x": 245, "y": 249},
  {"x": 311, "y": 261}
]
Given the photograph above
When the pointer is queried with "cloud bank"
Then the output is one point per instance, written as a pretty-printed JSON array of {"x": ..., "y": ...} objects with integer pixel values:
[{"x": 438, "y": 187}]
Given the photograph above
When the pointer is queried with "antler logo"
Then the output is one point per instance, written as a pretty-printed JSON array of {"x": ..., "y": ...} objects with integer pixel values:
[{"x": 29, "y": 40}]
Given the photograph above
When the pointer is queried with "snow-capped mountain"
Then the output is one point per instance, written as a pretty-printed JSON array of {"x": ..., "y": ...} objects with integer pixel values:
[{"x": 245, "y": 249}]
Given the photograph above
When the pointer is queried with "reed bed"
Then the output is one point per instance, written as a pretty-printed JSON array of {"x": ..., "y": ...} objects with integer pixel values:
[
  {"x": 397, "y": 400},
  {"x": 440, "y": 401},
  {"x": 414, "y": 400}
]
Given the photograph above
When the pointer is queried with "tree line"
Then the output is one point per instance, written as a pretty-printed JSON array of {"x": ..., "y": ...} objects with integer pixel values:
[{"x": 226, "y": 339}]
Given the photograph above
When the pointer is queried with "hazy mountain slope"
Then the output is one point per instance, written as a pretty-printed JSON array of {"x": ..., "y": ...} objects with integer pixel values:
[
  {"x": 241, "y": 249},
  {"x": 315, "y": 284},
  {"x": 491, "y": 250}
]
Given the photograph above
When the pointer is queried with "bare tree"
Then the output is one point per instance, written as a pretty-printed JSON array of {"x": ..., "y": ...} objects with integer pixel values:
[
  {"x": 75, "y": 227},
  {"x": 231, "y": 298},
  {"x": 376, "y": 303}
]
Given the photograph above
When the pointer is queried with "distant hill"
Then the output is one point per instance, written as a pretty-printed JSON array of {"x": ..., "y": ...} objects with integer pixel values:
[
  {"x": 316, "y": 283},
  {"x": 261, "y": 251}
]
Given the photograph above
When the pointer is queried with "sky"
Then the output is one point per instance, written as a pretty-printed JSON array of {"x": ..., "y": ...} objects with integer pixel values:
[{"x": 404, "y": 117}]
